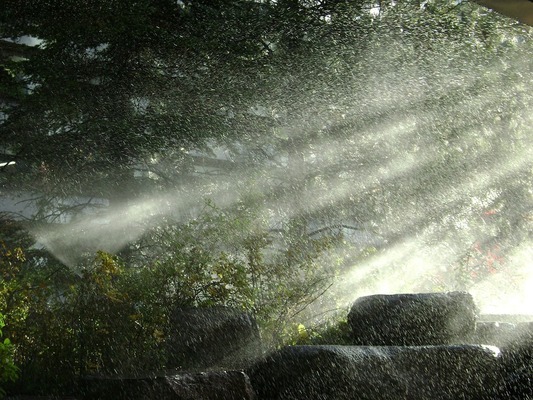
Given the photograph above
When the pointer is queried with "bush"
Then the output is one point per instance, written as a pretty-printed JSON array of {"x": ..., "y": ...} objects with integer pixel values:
[
  {"x": 31, "y": 299},
  {"x": 8, "y": 370},
  {"x": 230, "y": 257},
  {"x": 111, "y": 317}
]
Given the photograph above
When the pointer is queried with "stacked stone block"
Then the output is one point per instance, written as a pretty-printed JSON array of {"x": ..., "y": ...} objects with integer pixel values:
[{"x": 404, "y": 346}]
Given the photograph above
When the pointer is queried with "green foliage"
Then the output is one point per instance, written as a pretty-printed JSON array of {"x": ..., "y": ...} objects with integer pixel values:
[
  {"x": 108, "y": 317},
  {"x": 14, "y": 292},
  {"x": 65, "y": 325},
  {"x": 332, "y": 331},
  {"x": 8, "y": 369},
  {"x": 230, "y": 257},
  {"x": 30, "y": 299},
  {"x": 10, "y": 261}
]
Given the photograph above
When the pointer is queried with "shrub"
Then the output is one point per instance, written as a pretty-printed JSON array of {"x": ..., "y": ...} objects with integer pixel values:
[
  {"x": 108, "y": 317},
  {"x": 230, "y": 257},
  {"x": 8, "y": 370}
]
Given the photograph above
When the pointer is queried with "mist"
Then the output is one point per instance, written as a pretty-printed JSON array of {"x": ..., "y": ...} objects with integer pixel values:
[
  {"x": 414, "y": 146},
  {"x": 425, "y": 232}
]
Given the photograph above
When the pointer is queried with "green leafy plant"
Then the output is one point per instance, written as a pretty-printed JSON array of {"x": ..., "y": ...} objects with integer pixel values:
[
  {"x": 8, "y": 369},
  {"x": 230, "y": 257}
]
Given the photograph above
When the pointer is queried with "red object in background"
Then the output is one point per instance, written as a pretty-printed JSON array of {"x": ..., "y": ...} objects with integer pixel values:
[
  {"x": 485, "y": 259},
  {"x": 490, "y": 212}
]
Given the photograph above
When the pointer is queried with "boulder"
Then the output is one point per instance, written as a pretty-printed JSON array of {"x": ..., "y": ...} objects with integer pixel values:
[
  {"x": 214, "y": 385},
  {"x": 516, "y": 342},
  {"x": 500, "y": 334},
  {"x": 327, "y": 372},
  {"x": 516, "y": 385},
  {"x": 413, "y": 319},
  {"x": 204, "y": 338},
  {"x": 374, "y": 372},
  {"x": 450, "y": 371}
]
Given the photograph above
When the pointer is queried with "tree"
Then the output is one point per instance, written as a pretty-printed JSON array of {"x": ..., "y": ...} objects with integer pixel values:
[
  {"x": 140, "y": 80},
  {"x": 409, "y": 119}
]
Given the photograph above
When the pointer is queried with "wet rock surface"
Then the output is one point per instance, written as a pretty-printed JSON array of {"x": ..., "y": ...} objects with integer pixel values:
[
  {"x": 489, "y": 360},
  {"x": 212, "y": 337},
  {"x": 214, "y": 385},
  {"x": 516, "y": 344},
  {"x": 413, "y": 319},
  {"x": 391, "y": 372},
  {"x": 327, "y": 372}
]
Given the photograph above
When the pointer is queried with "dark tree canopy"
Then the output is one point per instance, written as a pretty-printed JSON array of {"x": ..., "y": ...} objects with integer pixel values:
[{"x": 348, "y": 109}]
